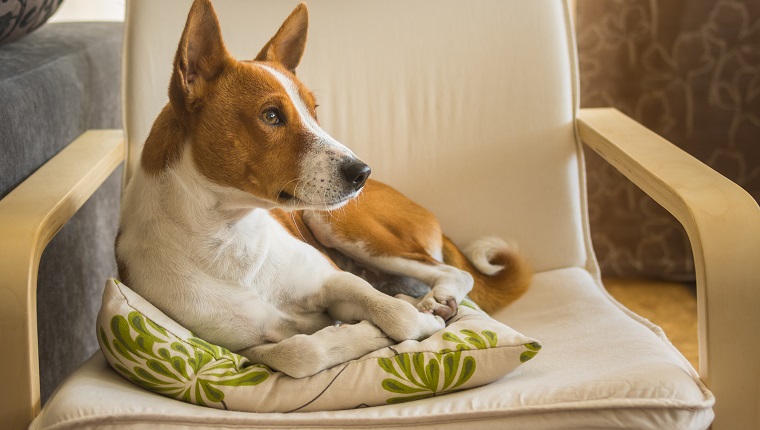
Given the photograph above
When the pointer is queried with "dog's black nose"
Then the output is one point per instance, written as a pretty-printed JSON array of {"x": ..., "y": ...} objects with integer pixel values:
[{"x": 356, "y": 173}]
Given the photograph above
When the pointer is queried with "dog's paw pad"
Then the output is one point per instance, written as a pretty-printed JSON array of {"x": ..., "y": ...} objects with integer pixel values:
[{"x": 446, "y": 310}]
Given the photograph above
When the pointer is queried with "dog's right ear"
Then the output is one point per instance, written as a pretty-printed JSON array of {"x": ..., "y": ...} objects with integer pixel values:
[{"x": 201, "y": 56}]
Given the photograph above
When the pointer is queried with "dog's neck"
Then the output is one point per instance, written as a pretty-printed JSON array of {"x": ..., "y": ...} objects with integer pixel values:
[{"x": 200, "y": 206}]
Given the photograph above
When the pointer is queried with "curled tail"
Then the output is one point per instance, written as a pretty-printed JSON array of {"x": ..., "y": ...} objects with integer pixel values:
[{"x": 500, "y": 273}]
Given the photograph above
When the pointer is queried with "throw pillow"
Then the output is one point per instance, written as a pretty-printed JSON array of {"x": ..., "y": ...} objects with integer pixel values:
[
  {"x": 148, "y": 348},
  {"x": 21, "y": 17}
]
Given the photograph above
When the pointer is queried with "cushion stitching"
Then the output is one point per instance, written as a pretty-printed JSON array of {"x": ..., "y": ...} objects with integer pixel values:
[{"x": 648, "y": 403}]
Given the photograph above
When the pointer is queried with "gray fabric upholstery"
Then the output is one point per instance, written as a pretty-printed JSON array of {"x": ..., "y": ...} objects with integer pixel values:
[
  {"x": 73, "y": 272},
  {"x": 54, "y": 84}
]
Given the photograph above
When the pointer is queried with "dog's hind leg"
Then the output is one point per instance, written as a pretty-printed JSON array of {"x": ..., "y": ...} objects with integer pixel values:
[
  {"x": 386, "y": 231},
  {"x": 304, "y": 355}
]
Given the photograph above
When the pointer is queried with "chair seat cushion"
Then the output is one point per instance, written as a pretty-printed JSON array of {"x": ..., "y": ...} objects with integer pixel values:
[
  {"x": 155, "y": 352},
  {"x": 600, "y": 367}
]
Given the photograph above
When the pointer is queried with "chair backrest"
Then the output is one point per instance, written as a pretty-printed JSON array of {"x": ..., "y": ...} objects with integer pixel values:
[{"x": 467, "y": 107}]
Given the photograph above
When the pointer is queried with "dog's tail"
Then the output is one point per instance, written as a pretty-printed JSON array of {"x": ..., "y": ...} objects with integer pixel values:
[{"x": 501, "y": 275}]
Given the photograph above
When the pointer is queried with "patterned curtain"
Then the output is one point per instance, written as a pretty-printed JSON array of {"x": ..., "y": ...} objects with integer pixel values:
[{"x": 690, "y": 71}]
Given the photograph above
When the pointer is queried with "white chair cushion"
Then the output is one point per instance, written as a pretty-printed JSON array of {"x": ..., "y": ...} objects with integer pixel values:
[{"x": 600, "y": 367}]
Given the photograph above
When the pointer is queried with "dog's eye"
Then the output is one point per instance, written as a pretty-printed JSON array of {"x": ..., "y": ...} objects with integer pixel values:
[{"x": 271, "y": 117}]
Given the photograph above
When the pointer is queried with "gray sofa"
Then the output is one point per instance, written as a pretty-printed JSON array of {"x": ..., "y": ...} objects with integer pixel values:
[{"x": 54, "y": 84}]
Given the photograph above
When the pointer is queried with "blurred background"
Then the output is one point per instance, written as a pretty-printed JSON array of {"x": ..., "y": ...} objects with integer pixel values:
[
  {"x": 690, "y": 71},
  {"x": 90, "y": 10}
]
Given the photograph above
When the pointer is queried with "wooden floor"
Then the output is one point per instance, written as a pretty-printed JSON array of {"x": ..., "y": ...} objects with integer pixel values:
[{"x": 672, "y": 306}]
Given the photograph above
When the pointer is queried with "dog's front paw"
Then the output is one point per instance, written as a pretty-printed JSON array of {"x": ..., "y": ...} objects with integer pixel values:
[
  {"x": 405, "y": 322},
  {"x": 361, "y": 338},
  {"x": 428, "y": 326}
]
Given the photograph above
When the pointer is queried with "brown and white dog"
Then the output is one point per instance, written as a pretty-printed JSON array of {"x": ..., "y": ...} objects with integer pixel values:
[{"x": 231, "y": 224}]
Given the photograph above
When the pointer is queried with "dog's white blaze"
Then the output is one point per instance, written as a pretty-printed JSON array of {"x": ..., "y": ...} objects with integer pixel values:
[
  {"x": 321, "y": 179},
  {"x": 303, "y": 112}
]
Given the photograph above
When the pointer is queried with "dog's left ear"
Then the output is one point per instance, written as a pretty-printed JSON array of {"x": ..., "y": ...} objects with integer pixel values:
[{"x": 287, "y": 45}]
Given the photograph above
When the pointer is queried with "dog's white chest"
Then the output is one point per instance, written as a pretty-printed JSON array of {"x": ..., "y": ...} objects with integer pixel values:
[{"x": 278, "y": 264}]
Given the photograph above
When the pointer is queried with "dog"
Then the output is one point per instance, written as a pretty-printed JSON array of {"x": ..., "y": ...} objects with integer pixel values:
[{"x": 237, "y": 225}]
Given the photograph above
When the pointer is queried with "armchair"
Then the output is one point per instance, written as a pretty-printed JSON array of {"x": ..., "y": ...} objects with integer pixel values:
[{"x": 472, "y": 110}]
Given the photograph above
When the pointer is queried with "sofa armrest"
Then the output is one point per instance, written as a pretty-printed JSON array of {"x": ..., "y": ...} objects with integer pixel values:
[
  {"x": 723, "y": 224},
  {"x": 30, "y": 216}
]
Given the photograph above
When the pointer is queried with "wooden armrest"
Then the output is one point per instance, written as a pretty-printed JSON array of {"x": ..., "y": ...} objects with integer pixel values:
[
  {"x": 723, "y": 224},
  {"x": 29, "y": 218}
]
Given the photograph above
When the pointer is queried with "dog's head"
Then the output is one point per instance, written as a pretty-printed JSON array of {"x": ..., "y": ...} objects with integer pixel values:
[{"x": 252, "y": 125}]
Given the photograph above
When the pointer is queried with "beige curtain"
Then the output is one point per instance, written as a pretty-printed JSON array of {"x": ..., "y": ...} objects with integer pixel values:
[{"x": 690, "y": 71}]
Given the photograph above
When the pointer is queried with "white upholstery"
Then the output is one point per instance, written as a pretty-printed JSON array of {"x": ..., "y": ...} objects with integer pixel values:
[
  {"x": 589, "y": 374},
  {"x": 468, "y": 108}
]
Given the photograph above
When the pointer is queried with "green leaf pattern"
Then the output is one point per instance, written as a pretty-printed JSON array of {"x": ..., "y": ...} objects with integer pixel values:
[
  {"x": 192, "y": 371},
  {"x": 532, "y": 350},
  {"x": 445, "y": 372},
  {"x": 418, "y": 380}
]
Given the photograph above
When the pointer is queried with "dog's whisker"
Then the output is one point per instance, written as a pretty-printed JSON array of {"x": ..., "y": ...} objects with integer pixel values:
[
  {"x": 293, "y": 217},
  {"x": 290, "y": 182}
]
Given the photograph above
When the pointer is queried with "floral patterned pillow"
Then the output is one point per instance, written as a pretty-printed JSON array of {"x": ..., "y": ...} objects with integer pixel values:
[{"x": 148, "y": 348}]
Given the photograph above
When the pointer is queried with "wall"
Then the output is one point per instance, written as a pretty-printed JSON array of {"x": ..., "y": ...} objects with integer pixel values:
[{"x": 90, "y": 10}]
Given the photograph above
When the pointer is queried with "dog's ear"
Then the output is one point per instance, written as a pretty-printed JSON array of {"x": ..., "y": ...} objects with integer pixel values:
[
  {"x": 287, "y": 45},
  {"x": 201, "y": 56}
]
